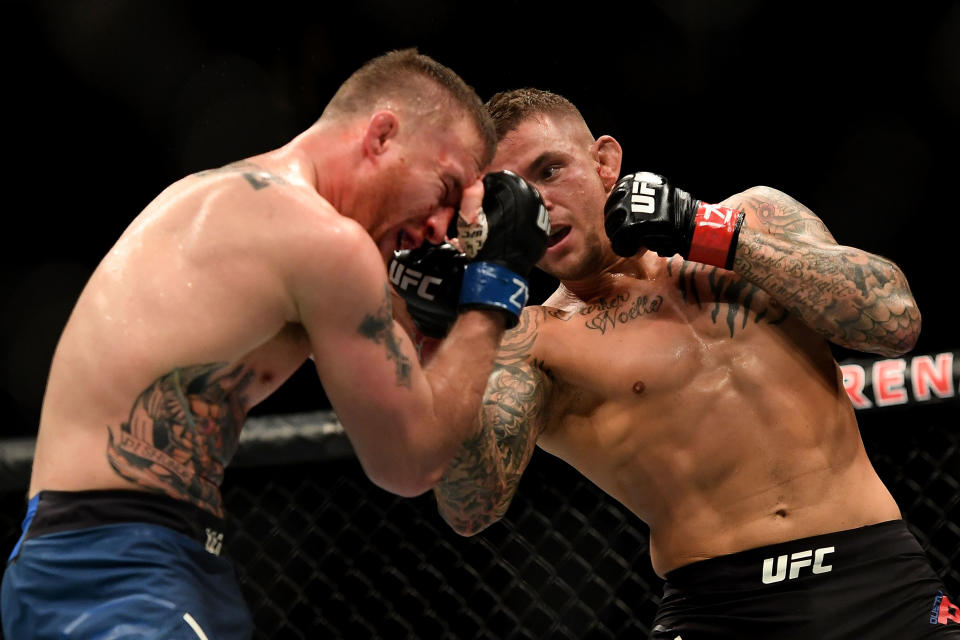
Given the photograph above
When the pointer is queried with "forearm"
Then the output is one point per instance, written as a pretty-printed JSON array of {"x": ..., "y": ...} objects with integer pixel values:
[
  {"x": 474, "y": 492},
  {"x": 457, "y": 375},
  {"x": 483, "y": 478},
  {"x": 853, "y": 298}
]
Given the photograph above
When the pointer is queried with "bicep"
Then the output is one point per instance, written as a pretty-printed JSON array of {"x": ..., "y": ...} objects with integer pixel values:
[
  {"x": 775, "y": 213},
  {"x": 365, "y": 360}
]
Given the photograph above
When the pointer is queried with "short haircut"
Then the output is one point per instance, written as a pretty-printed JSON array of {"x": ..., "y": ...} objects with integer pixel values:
[
  {"x": 509, "y": 108},
  {"x": 419, "y": 83}
]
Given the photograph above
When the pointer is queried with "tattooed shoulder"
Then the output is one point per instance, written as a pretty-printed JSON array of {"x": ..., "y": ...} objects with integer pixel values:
[{"x": 255, "y": 175}]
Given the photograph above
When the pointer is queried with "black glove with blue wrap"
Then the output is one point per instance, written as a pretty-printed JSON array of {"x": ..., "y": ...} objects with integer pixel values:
[{"x": 499, "y": 249}]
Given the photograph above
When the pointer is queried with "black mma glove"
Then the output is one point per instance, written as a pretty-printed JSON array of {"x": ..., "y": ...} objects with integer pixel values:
[
  {"x": 428, "y": 279},
  {"x": 644, "y": 210},
  {"x": 503, "y": 245}
]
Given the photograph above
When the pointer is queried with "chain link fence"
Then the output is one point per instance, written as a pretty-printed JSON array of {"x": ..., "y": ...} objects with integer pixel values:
[{"x": 323, "y": 553}]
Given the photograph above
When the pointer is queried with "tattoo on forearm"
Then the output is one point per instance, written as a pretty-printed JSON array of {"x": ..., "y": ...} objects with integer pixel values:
[
  {"x": 379, "y": 328},
  {"x": 854, "y": 299},
  {"x": 182, "y": 432},
  {"x": 484, "y": 476}
]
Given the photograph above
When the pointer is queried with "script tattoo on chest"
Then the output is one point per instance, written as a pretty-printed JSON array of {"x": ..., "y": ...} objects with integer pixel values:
[
  {"x": 731, "y": 299},
  {"x": 606, "y": 314},
  {"x": 182, "y": 431}
]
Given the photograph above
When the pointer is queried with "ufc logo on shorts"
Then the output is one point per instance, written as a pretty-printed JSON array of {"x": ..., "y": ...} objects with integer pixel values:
[
  {"x": 214, "y": 542},
  {"x": 812, "y": 558},
  {"x": 404, "y": 277}
]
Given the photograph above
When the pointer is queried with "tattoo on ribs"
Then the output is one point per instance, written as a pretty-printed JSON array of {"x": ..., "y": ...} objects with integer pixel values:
[
  {"x": 182, "y": 432},
  {"x": 725, "y": 290},
  {"x": 379, "y": 328}
]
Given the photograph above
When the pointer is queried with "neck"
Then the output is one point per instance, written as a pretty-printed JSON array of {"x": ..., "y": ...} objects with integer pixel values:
[
  {"x": 316, "y": 158},
  {"x": 609, "y": 279}
]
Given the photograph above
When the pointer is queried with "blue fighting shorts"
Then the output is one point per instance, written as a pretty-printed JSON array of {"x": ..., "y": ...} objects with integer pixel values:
[{"x": 118, "y": 565}]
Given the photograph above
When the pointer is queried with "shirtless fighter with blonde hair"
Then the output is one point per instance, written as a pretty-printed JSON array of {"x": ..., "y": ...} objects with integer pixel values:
[{"x": 213, "y": 296}]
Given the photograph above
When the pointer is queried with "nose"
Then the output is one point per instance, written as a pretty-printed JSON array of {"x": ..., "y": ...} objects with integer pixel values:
[{"x": 436, "y": 225}]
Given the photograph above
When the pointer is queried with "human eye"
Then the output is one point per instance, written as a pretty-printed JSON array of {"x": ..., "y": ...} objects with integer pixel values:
[{"x": 549, "y": 172}]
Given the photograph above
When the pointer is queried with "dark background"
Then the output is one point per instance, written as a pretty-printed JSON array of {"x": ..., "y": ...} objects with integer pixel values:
[{"x": 848, "y": 107}]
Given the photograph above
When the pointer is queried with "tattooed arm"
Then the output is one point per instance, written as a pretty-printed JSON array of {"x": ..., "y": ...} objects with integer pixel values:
[
  {"x": 855, "y": 299},
  {"x": 483, "y": 478},
  {"x": 405, "y": 421}
]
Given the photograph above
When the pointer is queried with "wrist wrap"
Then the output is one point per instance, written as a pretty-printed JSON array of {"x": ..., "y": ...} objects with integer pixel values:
[
  {"x": 715, "y": 232},
  {"x": 490, "y": 285}
]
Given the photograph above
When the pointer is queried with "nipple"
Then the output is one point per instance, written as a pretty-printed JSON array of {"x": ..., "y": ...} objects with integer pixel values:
[{"x": 638, "y": 386}]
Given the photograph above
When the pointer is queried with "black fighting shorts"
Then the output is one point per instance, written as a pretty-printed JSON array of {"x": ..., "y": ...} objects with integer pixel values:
[{"x": 871, "y": 583}]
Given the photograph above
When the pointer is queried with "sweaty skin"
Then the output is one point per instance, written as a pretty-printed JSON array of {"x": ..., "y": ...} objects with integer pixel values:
[
  {"x": 223, "y": 286},
  {"x": 711, "y": 409}
]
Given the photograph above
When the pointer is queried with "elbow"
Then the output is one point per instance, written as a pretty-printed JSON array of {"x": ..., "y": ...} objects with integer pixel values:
[
  {"x": 464, "y": 527},
  {"x": 905, "y": 338},
  {"x": 404, "y": 481},
  {"x": 901, "y": 332}
]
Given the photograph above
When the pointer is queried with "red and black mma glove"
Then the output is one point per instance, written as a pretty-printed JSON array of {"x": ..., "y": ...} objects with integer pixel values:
[
  {"x": 643, "y": 210},
  {"x": 503, "y": 253},
  {"x": 428, "y": 279}
]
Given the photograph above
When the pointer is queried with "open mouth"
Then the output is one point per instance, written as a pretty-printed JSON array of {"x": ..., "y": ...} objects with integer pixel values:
[
  {"x": 404, "y": 241},
  {"x": 558, "y": 234}
]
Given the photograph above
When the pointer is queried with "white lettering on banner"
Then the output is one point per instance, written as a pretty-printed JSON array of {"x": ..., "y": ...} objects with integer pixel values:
[
  {"x": 796, "y": 562},
  {"x": 642, "y": 199},
  {"x": 404, "y": 276}
]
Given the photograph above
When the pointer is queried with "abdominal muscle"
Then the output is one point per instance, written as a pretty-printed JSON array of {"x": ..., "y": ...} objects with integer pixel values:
[{"x": 747, "y": 446}]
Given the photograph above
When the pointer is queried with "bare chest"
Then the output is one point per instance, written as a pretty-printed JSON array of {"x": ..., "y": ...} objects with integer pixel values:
[{"x": 654, "y": 336}]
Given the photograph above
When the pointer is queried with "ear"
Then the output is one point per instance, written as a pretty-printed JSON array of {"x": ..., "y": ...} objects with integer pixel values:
[
  {"x": 608, "y": 154},
  {"x": 381, "y": 129}
]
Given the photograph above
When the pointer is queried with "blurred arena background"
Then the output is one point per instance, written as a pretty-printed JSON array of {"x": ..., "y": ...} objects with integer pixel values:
[{"x": 850, "y": 108}]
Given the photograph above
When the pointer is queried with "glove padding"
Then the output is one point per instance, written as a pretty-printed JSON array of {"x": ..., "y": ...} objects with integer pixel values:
[
  {"x": 428, "y": 279},
  {"x": 438, "y": 282},
  {"x": 516, "y": 238},
  {"x": 644, "y": 210}
]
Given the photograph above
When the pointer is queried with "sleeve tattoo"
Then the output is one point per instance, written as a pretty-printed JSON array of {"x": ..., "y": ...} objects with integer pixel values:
[
  {"x": 484, "y": 475},
  {"x": 855, "y": 299}
]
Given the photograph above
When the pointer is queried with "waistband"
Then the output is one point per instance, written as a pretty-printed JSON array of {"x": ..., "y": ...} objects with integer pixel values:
[
  {"x": 57, "y": 511},
  {"x": 804, "y": 557}
]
